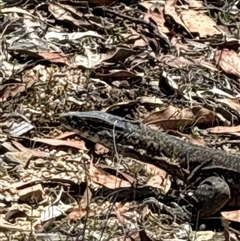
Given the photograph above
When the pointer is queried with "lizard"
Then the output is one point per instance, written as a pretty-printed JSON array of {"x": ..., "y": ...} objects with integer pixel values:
[{"x": 217, "y": 170}]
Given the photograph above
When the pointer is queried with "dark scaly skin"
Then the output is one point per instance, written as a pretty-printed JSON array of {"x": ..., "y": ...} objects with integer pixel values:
[{"x": 179, "y": 158}]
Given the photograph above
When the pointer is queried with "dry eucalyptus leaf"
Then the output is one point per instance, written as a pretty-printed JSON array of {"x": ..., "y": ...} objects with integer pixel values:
[
  {"x": 86, "y": 199},
  {"x": 232, "y": 103},
  {"x": 54, "y": 142},
  {"x": 170, "y": 9},
  {"x": 232, "y": 215},
  {"x": 55, "y": 57},
  {"x": 34, "y": 152},
  {"x": 229, "y": 61},
  {"x": 224, "y": 129},
  {"x": 100, "y": 177},
  {"x": 175, "y": 118},
  {"x": 200, "y": 23}
]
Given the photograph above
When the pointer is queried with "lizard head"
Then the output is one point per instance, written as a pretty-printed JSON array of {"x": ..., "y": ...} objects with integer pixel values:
[{"x": 97, "y": 126}]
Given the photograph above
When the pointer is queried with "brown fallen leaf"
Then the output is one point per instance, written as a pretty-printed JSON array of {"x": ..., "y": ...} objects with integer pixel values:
[
  {"x": 232, "y": 215},
  {"x": 100, "y": 177},
  {"x": 55, "y": 57},
  {"x": 199, "y": 22},
  {"x": 129, "y": 178},
  {"x": 65, "y": 135},
  {"x": 160, "y": 182},
  {"x": 150, "y": 100},
  {"x": 168, "y": 118},
  {"x": 83, "y": 207},
  {"x": 120, "y": 217},
  {"x": 224, "y": 129},
  {"x": 203, "y": 63},
  {"x": 173, "y": 118},
  {"x": 86, "y": 199},
  {"x": 34, "y": 152},
  {"x": 122, "y": 207},
  {"x": 229, "y": 61},
  {"x": 151, "y": 169},
  {"x": 80, "y": 213},
  {"x": 13, "y": 89},
  {"x": 170, "y": 10},
  {"x": 160, "y": 178},
  {"x": 139, "y": 41},
  {"x": 55, "y": 142}
]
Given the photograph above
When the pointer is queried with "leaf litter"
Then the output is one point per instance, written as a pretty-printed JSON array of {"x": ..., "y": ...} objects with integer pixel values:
[{"x": 173, "y": 65}]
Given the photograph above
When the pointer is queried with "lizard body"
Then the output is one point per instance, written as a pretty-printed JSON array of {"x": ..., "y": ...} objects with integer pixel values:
[{"x": 179, "y": 158}]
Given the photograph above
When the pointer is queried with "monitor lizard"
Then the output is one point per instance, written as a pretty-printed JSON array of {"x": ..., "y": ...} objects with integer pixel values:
[{"x": 217, "y": 170}]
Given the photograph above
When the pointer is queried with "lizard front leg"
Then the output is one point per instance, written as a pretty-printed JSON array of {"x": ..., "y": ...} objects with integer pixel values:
[{"x": 212, "y": 194}]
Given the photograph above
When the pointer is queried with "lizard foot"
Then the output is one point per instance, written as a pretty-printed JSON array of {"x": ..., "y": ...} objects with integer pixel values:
[{"x": 211, "y": 195}]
